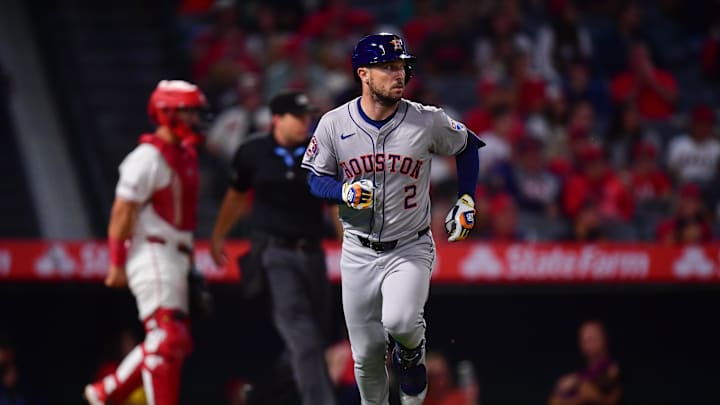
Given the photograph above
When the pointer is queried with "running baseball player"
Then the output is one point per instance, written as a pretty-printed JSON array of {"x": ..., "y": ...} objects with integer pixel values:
[
  {"x": 372, "y": 155},
  {"x": 150, "y": 241}
]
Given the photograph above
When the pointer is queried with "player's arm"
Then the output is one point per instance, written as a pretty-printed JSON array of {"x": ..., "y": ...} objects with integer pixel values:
[
  {"x": 357, "y": 194},
  {"x": 321, "y": 161},
  {"x": 235, "y": 205},
  {"x": 122, "y": 223},
  {"x": 138, "y": 178},
  {"x": 453, "y": 138},
  {"x": 461, "y": 218},
  {"x": 467, "y": 163}
]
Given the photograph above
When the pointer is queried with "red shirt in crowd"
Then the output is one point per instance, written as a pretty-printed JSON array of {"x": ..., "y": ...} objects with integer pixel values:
[
  {"x": 650, "y": 185},
  {"x": 649, "y": 103},
  {"x": 609, "y": 193}
]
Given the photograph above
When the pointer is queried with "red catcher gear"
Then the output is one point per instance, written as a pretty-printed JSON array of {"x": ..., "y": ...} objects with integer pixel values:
[
  {"x": 168, "y": 97},
  {"x": 177, "y": 202},
  {"x": 156, "y": 363}
]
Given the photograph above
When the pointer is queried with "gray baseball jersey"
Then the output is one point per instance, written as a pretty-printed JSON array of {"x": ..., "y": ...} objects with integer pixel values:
[{"x": 396, "y": 158}]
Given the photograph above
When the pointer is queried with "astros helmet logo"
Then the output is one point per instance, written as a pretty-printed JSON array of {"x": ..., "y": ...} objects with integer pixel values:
[{"x": 397, "y": 43}]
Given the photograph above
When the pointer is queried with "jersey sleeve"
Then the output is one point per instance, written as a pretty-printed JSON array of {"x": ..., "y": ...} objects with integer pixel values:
[
  {"x": 449, "y": 137},
  {"x": 139, "y": 174},
  {"x": 320, "y": 157},
  {"x": 241, "y": 169}
]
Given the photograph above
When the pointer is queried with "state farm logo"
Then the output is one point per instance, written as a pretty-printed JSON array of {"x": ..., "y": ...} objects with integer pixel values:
[
  {"x": 55, "y": 261},
  {"x": 482, "y": 262},
  {"x": 693, "y": 263},
  {"x": 528, "y": 262},
  {"x": 588, "y": 263}
]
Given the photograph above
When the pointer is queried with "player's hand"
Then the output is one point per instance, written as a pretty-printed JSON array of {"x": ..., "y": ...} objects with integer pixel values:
[
  {"x": 461, "y": 219},
  {"x": 116, "y": 277},
  {"x": 359, "y": 194},
  {"x": 217, "y": 251}
]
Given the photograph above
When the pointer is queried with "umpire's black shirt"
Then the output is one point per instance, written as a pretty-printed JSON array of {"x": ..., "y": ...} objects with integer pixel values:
[{"x": 283, "y": 205}]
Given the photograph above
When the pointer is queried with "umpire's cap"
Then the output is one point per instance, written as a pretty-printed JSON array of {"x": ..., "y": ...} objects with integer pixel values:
[
  {"x": 291, "y": 102},
  {"x": 379, "y": 48}
]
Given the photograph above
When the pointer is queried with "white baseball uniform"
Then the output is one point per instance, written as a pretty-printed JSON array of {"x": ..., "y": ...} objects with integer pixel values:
[{"x": 157, "y": 272}]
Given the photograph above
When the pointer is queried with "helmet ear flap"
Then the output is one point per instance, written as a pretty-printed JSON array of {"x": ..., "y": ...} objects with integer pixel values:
[{"x": 408, "y": 72}]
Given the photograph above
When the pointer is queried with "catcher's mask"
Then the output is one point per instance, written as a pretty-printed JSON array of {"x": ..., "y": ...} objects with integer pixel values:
[{"x": 171, "y": 96}]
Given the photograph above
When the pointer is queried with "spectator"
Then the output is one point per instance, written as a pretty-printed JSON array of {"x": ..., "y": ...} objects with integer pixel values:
[
  {"x": 529, "y": 88},
  {"x": 595, "y": 182},
  {"x": 450, "y": 46},
  {"x": 498, "y": 140},
  {"x": 690, "y": 224},
  {"x": 626, "y": 133},
  {"x": 492, "y": 96},
  {"x": 710, "y": 53},
  {"x": 424, "y": 22},
  {"x": 653, "y": 90},
  {"x": 503, "y": 220},
  {"x": 614, "y": 45},
  {"x": 234, "y": 124},
  {"x": 696, "y": 157},
  {"x": 588, "y": 226},
  {"x": 503, "y": 39},
  {"x": 647, "y": 182},
  {"x": 563, "y": 147},
  {"x": 550, "y": 124},
  {"x": 579, "y": 85},
  {"x": 336, "y": 19},
  {"x": 11, "y": 389},
  {"x": 442, "y": 390},
  {"x": 220, "y": 54},
  {"x": 598, "y": 383},
  {"x": 561, "y": 42},
  {"x": 527, "y": 179}
]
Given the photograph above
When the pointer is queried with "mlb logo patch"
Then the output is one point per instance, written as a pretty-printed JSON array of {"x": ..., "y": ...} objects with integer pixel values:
[
  {"x": 456, "y": 125},
  {"x": 312, "y": 148}
]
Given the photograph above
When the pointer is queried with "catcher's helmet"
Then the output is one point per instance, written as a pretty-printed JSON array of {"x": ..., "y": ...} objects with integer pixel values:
[
  {"x": 171, "y": 95},
  {"x": 378, "y": 48}
]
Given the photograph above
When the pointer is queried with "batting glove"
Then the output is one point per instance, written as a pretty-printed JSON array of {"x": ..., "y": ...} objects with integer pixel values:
[
  {"x": 359, "y": 194},
  {"x": 461, "y": 219}
]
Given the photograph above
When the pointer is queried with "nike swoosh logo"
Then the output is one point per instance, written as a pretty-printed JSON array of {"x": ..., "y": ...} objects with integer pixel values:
[{"x": 346, "y": 136}]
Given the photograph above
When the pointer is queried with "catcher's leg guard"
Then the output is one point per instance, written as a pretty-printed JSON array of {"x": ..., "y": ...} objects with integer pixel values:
[
  {"x": 115, "y": 387},
  {"x": 409, "y": 364},
  {"x": 166, "y": 345},
  {"x": 161, "y": 380}
]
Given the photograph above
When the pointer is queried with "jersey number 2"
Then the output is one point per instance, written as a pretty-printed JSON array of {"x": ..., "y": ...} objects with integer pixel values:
[{"x": 410, "y": 192}]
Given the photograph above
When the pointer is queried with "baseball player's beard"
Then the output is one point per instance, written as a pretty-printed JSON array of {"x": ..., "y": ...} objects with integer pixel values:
[{"x": 386, "y": 98}]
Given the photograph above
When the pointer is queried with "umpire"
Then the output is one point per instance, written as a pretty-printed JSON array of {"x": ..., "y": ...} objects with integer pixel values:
[{"x": 287, "y": 226}]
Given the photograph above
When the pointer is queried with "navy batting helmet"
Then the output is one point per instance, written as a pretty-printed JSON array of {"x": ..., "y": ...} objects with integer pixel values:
[{"x": 379, "y": 48}]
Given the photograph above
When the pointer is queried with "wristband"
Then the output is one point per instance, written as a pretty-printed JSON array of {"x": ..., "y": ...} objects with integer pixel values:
[{"x": 118, "y": 251}]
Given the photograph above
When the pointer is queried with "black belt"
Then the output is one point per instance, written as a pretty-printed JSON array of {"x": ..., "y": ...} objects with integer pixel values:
[
  {"x": 183, "y": 248},
  {"x": 387, "y": 245}
]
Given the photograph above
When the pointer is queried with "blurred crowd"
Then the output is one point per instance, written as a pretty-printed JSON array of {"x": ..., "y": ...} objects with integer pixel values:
[{"x": 600, "y": 118}]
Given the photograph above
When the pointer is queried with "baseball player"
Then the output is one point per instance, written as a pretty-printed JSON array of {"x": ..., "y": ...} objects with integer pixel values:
[
  {"x": 373, "y": 155},
  {"x": 150, "y": 241}
]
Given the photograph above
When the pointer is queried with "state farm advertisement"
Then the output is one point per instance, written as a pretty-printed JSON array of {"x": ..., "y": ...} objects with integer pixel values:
[{"x": 463, "y": 263}]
